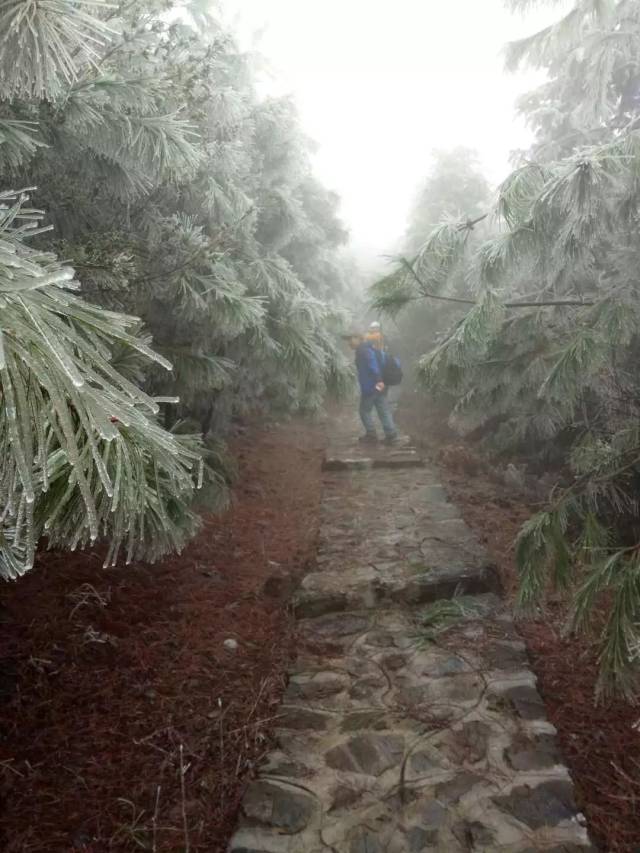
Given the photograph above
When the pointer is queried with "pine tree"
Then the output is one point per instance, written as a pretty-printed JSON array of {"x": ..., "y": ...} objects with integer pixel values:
[
  {"x": 454, "y": 186},
  {"x": 207, "y": 224},
  {"x": 547, "y": 353},
  {"x": 176, "y": 194}
]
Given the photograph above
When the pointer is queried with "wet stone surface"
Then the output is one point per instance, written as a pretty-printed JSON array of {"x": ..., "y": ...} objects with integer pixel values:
[
  {"x": 387, "y": 742},
  {"x": 279, "y": 805},
  {"x": 549, "y": 803},
  {"x": 367, "y": 753}
]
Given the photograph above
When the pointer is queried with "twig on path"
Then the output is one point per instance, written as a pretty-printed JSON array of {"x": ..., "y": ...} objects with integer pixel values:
[
  {"x": 221, "y": 731},
  {"x": 185, "y": 823},
  {"x": 625, "y": 776},
  {"x": 154, "y": 823},
  {"x": 263, "y": 683},
  {"x": 6, "y": 765},
  {"x": 258, "y": 723}
]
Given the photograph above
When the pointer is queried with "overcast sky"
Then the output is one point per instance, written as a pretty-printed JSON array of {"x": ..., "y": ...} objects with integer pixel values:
[{"x": 379, "y": 83}]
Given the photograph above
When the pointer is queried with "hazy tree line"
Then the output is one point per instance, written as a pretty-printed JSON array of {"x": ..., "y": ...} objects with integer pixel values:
[
  {"x": 454, "y": 188},
  {"x": 176, "y": 196},
  {"x": 541, "y": 353}
]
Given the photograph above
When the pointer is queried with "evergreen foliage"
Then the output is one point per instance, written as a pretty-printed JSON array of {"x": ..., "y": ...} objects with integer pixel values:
[
  {"x": 545, "y": 358},
  {"x": 82, "y": 454},
  {"x": 176, "y": 195},
  {"x": 453, "y": 188}
]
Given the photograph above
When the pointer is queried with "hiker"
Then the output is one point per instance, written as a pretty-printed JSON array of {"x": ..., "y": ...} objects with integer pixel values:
[
  {"x": 377, "y": 370},
  {"x": 374, "y": 334}
]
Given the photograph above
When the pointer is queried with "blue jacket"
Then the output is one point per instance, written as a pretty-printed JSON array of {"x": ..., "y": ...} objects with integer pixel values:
[{"x": 368, "y": 367}]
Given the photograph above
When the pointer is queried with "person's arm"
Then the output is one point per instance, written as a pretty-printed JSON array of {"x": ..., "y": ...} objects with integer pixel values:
[{"x": 374, "y": 366}]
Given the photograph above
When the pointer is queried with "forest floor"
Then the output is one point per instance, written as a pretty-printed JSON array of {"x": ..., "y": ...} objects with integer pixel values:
[
  {"x": 600, "y": 742},
  {"x": 125, "y": 723}
]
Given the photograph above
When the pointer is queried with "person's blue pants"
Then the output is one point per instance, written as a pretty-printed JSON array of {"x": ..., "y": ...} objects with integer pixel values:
[{"x": 380, "y": 403}]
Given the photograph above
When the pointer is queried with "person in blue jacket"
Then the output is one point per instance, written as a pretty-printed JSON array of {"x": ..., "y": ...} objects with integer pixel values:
[{"x": 373, "y": 392}]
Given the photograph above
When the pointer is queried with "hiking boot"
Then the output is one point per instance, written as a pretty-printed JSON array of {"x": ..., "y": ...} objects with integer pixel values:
[
  {"x": 368, "y": 438},
  {"x": 392, "y": 440}
]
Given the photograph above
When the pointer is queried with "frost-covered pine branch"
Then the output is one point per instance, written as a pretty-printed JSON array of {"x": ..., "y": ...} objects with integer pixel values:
[{"x": 83, "y": 456}]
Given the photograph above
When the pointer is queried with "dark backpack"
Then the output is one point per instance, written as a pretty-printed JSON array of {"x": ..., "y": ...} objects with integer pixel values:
[{"x": 389, "y": 367}]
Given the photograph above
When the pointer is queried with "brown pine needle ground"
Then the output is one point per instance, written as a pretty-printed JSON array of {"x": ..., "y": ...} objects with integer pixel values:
[{"x": 125, "y": 723}]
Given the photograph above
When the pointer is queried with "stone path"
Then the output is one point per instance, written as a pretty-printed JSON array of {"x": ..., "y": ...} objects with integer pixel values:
[{"x": 394, "y": 738}]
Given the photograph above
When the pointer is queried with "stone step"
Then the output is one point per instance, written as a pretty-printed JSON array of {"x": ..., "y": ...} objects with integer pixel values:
[
  {"x": 405, "y": 459},
  {"x": 417, "y": 553},
  {"x": 385, "y": 584},
  {"x": 348, "y": 443},
  {"x": 399, "y": 460},
  {"x": 343, "y": 463}
]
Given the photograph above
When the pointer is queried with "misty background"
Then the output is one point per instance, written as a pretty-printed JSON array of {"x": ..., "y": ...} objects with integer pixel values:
[{"x": 379, "y": 86}]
